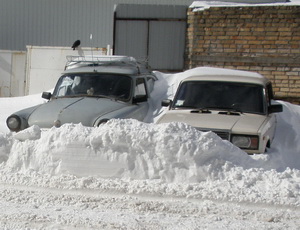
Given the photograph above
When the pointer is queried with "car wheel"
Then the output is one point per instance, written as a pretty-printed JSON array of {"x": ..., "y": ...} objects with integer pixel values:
[
  {"x": 103, "y": 121},
  {"x": 268, "y": 146}
]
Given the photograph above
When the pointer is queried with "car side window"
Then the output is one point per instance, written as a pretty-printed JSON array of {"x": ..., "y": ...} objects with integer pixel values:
[
  {"x": 65, "y": 84},
  {"x": 140, "y": 87}
]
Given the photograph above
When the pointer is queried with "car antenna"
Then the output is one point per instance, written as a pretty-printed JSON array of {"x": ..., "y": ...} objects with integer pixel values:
[{"x": 91, "y": 41}]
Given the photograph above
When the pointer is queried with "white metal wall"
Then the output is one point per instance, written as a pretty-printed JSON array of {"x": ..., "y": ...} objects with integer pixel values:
[
  {"x": 12, "y": 73},
  {"x": 46, "y": 64},
  {"x": 61, "y": 22}
]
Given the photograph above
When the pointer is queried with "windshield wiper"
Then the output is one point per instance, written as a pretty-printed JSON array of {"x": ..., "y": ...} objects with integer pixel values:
[
  {"x": 111, "y": 97},
  {"x": 185, "y": 107},
  {"x": 195, "y": 109},
  {"x": 201, "y": 110},
  {"x": 224, "y": 110},
  {"x": 230, "y": 110},
  {"x": 100, "y": 96},
  {"x": 86, "y": 95}
]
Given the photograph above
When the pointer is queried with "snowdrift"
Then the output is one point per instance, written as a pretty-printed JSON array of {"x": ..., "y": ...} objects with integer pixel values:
[
  {"x": 135, "y": 157},
  {"x": 172, "y": 152}
]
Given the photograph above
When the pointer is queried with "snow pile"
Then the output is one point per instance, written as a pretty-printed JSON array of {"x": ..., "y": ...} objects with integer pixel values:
[
  {"x": 173, "y": 159},
  {"x": 172, "y": 152},
  {"x": 285, "y": 151}
]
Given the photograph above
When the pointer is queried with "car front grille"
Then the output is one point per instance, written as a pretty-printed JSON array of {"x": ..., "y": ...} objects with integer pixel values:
[{"x": 222, "y": 134}]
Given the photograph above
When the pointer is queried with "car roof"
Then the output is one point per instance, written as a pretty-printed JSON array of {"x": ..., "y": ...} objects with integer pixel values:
[
  {"x": 104, "y": 69},
  {"x": 226, "y": 75},
  {"x": 106, "y": 64}
]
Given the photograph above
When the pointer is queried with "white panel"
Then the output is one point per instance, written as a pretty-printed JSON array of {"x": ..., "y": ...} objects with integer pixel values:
[
  {"x": 17, "y": 85},
  {"x": 5, "y": 72},
  {"x": 45, "y": 65},
  {"x": 12, "y": 73},
  {"x": 131, "y": 38},
  {"x": 166, "y": 45}
]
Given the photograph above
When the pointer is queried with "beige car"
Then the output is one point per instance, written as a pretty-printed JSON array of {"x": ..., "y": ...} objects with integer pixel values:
[{"x": 234, "y": 104}]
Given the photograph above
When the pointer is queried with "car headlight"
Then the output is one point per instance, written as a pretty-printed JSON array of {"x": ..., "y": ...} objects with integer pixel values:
[
  {"x": 14, "y": 123},
  {"x": 245, "y": 141}
]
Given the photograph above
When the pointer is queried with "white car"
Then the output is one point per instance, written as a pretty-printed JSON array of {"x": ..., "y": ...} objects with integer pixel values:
[{"x": 234, "y": 104}]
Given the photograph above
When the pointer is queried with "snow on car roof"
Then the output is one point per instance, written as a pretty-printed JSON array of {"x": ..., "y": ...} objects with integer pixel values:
[
  {"x": 87, "y": 60},
  {"x": 101, "y": 58},
  {"x": 105, "y": 64},
  {"x": 127, "y": 70},
  {"x": 222, "y": 74}
]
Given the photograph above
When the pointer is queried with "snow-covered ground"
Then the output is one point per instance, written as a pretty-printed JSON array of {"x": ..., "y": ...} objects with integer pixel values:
[{"x": 140, "y": 175}]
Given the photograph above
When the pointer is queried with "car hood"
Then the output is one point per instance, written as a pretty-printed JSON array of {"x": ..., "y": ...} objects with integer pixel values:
[
  {"x": 83, "y": 110},
  {"x": 243, "y": 123}
]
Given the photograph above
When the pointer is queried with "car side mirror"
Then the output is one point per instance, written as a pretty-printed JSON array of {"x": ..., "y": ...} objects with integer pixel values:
[
  {"x": 166, "y": 103},
  {"x": 46, "y": 95},
  {"x": 139, "y": 99},
  {"x": 275, "y": 108}
]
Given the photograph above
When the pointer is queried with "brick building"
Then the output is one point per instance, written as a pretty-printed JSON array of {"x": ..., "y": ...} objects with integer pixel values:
[{"x": 265, "y": 39}]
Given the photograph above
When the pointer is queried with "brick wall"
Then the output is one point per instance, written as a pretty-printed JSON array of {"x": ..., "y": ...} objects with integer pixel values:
[{"x": 264, "y": 39}]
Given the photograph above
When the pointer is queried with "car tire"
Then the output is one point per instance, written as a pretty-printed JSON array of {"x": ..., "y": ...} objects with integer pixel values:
[{"x": 103, "y": 121}]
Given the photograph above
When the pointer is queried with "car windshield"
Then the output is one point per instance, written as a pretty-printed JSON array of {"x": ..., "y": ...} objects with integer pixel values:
[
  {"x": 94, "y": 85},
  {"x": 240, "y": 97}
]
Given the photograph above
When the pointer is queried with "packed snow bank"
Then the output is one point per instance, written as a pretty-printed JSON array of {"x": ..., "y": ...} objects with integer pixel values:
[
  {"x": 134, "y": 157},
  {"x": 172, "y": 152},
  {"x": 285, "y": 149}
]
